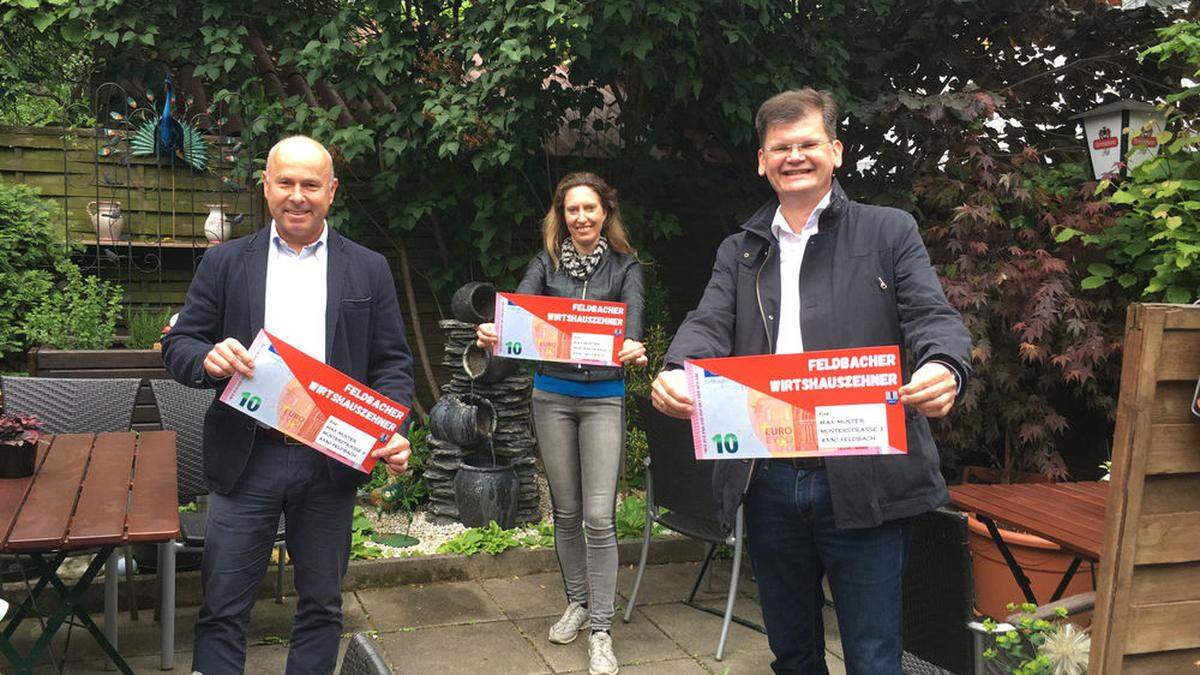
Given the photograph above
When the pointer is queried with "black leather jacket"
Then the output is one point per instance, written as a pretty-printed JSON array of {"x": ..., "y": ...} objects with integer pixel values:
[{"x": 618, "y": 277}]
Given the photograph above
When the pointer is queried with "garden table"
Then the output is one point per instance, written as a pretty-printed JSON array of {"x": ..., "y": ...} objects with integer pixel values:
[
  {"x": 89, "y": 491},
  {"x": 1068, "y": 514}
]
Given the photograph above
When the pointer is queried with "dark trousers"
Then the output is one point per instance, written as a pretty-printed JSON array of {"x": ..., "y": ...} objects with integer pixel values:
[
  {"x": 295, "y": 481},
  {"x": 793, "y": 542}
]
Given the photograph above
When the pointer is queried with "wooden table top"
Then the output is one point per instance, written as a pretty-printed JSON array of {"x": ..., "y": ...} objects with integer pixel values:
[
  {"x": 1068, "y": 514},
  {"x": 93, "y": 489}
]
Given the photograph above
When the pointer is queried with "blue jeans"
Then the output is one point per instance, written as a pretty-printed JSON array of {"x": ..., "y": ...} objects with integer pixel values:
[
  {"x": 294, "y": 480},
  {"x": 793, "y": 542}
]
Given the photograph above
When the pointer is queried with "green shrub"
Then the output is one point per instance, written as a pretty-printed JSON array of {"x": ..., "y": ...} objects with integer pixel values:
[
  {"x": 493, "y": 539},
  {"x": 1155, "y": 246},
  {"x": 631, "y": 518},
  {"x": 409, "y": 490},
  {"x": 82, "y": 314},
  {"x": 145, "y": 327},
  {"x": 360, "y": 533},
  {"x": 638, "y": 382},
  {"x": 32, "y": 258}
]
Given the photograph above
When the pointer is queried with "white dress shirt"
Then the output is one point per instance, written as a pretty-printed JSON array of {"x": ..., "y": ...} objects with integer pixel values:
[
  {"x": 296, "y": 293},
  {"x": 791, "y": 255}
]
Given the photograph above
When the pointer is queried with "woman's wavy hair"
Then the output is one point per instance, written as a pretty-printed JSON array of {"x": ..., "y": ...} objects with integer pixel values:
[{"x": 554, "y": 228}]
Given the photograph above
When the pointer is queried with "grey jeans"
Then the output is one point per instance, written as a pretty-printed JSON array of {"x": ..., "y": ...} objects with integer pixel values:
[{"x": 581, "y": 442}]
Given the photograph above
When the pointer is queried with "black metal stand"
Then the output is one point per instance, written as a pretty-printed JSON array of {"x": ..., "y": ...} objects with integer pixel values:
[{"x": 72, "y": 605}]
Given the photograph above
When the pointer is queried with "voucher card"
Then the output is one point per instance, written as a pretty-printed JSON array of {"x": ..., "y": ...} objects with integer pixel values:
[
  {"x": 812, "y": 404},
  {"x": 314, "y": 403},
  {"x": 567, "y": 330}
]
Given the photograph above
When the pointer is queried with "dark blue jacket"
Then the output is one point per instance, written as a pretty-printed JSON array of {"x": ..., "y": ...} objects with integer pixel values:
[
  {"x": 364, "y": 337},
  {"x": 865, "y": 280}
]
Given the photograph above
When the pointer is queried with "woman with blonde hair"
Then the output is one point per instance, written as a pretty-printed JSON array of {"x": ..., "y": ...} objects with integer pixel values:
[{"x": 578, "y": 410}]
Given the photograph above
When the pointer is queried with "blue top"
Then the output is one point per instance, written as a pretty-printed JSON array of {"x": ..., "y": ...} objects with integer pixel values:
[{"x": 597, "y": 389}]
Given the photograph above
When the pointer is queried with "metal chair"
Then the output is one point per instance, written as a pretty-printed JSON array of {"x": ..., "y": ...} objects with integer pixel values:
[
  {"x": 363, "y": 658},
  {"x": 77, "y": 406},
  {"x": 684, "y": 488}
]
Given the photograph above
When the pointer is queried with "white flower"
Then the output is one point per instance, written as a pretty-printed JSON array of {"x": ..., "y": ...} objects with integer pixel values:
[{"x": 1067, "y": 648}]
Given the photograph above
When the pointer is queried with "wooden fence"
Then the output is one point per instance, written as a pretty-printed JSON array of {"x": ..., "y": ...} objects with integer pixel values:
[
  {"x": 164, "y": 211},
  {"x": 160, "y": 206},
  {"x": 1148, "y": 607}
]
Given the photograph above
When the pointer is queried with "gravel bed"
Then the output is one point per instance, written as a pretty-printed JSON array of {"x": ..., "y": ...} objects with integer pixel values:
[{"x": 431, "y": 531}]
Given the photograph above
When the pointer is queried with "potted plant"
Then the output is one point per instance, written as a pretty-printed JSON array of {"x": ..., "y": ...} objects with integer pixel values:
[
  {"x": 19, "y": 434},
  {"x": 1036, "y": 646},
  {"x": 1045, "y": 349}
]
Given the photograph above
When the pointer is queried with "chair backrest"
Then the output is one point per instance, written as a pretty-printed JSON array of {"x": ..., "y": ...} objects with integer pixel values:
[
  {"x": 681, "y": 484},
  {"x": 73, "y": 405},
  {"x": 363, "y": 657},
  {"x": 182, "y": 410},
  {"x": 939, "y": 591}
]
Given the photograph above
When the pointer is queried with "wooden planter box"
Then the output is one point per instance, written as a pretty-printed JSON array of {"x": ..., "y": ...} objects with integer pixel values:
[{"x": 144, "y": 364}]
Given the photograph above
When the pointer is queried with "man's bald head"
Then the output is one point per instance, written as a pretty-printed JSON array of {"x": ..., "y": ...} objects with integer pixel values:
[
  {"x": 299, "y": 147},
  {"x": 299, "y": 186}
]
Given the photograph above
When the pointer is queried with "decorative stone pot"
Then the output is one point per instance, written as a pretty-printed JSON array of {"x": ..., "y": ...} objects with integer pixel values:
[
  {"x": 216, "y": 228},
  {"x": 1043, "y": 562},
  {"x": 485, "y": 492},
  {"x": 474, "y": 302},
  {"x": 464, "y": 420},
  {"x": 482, "y": 366},
  {"x": 18, "y": 461},
  {"x": 106, "y": 219}
]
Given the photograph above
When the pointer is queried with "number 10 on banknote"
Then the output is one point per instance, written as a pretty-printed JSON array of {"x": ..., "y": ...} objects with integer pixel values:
[
  {"x": 812, "y": 404},
  {"x": 566, "y": 330}
]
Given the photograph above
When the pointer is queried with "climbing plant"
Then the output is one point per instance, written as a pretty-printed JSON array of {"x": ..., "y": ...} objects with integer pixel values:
[
  {"x": 452, "y": 120},
  {"x": 1154, "y": 247}
]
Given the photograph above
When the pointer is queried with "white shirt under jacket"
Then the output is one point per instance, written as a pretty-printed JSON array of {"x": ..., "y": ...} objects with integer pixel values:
[
  {"x": 294, "y": 310},
  {"x": 791, "y": 255}
]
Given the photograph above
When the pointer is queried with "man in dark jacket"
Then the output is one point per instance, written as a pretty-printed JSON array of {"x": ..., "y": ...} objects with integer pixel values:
[
  {"x": 336, "y": 301},
  {"x": 812, "y": 270}
]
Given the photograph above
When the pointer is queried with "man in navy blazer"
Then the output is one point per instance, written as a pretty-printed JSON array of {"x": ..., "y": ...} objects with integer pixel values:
[{"x": 336, "y": 301}]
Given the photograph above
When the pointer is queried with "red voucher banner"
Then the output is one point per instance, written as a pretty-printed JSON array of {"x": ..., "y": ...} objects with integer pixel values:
[
  {"x": 812, "y": 404},
  {"x": 567, "y": 330},
  {"x": 314, "y": 403}
]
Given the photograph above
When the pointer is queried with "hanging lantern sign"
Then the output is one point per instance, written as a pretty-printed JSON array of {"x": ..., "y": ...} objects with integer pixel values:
[{"x": 1125, "y": 129}]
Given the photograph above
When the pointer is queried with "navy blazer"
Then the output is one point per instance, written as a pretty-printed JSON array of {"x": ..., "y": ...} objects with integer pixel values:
[{"x": 364, "y": 337}]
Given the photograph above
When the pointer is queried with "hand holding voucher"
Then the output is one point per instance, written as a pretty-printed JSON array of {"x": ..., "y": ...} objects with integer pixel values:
[
  {"x": 633, "y": 352},
  {"x": 228, "y": 358},
  {"x": 395, "y": 454},
  {"x": 669, "y": 394},
  {"x": 931, "y": 390},
  {"x": 485, "y": 335},
  {"x": 320, "y": 406}
]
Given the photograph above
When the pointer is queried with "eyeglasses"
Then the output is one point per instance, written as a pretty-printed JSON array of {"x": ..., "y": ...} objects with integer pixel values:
[{"x": 805, "y": 148}]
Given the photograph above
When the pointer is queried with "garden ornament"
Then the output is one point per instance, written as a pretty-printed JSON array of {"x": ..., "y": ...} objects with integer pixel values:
[{"x": 168, "y": 138}]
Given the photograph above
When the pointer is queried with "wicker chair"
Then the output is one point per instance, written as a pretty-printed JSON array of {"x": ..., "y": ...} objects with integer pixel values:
[
  {"x": 182, "y": 410},
  {"x": 363, "y": 658},
  {"x": 73, "y": 405},
  {"x": 77, "y": 406}
]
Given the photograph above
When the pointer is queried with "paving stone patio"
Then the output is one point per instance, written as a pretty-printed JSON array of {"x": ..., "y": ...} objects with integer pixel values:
[{"x": 490, "y": 626}]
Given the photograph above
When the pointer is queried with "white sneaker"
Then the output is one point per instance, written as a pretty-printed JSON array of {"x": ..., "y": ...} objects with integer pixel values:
[
  {"x": 601, "y": 659},
  {"x": 573, "y": 620}
]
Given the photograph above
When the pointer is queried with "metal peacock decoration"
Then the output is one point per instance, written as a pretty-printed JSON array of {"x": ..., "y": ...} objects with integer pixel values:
[{"x": 167, "y": 137}]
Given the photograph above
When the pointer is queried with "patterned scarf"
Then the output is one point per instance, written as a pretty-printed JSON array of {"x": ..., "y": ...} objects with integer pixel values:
[{"x": 581, "y": 266}]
